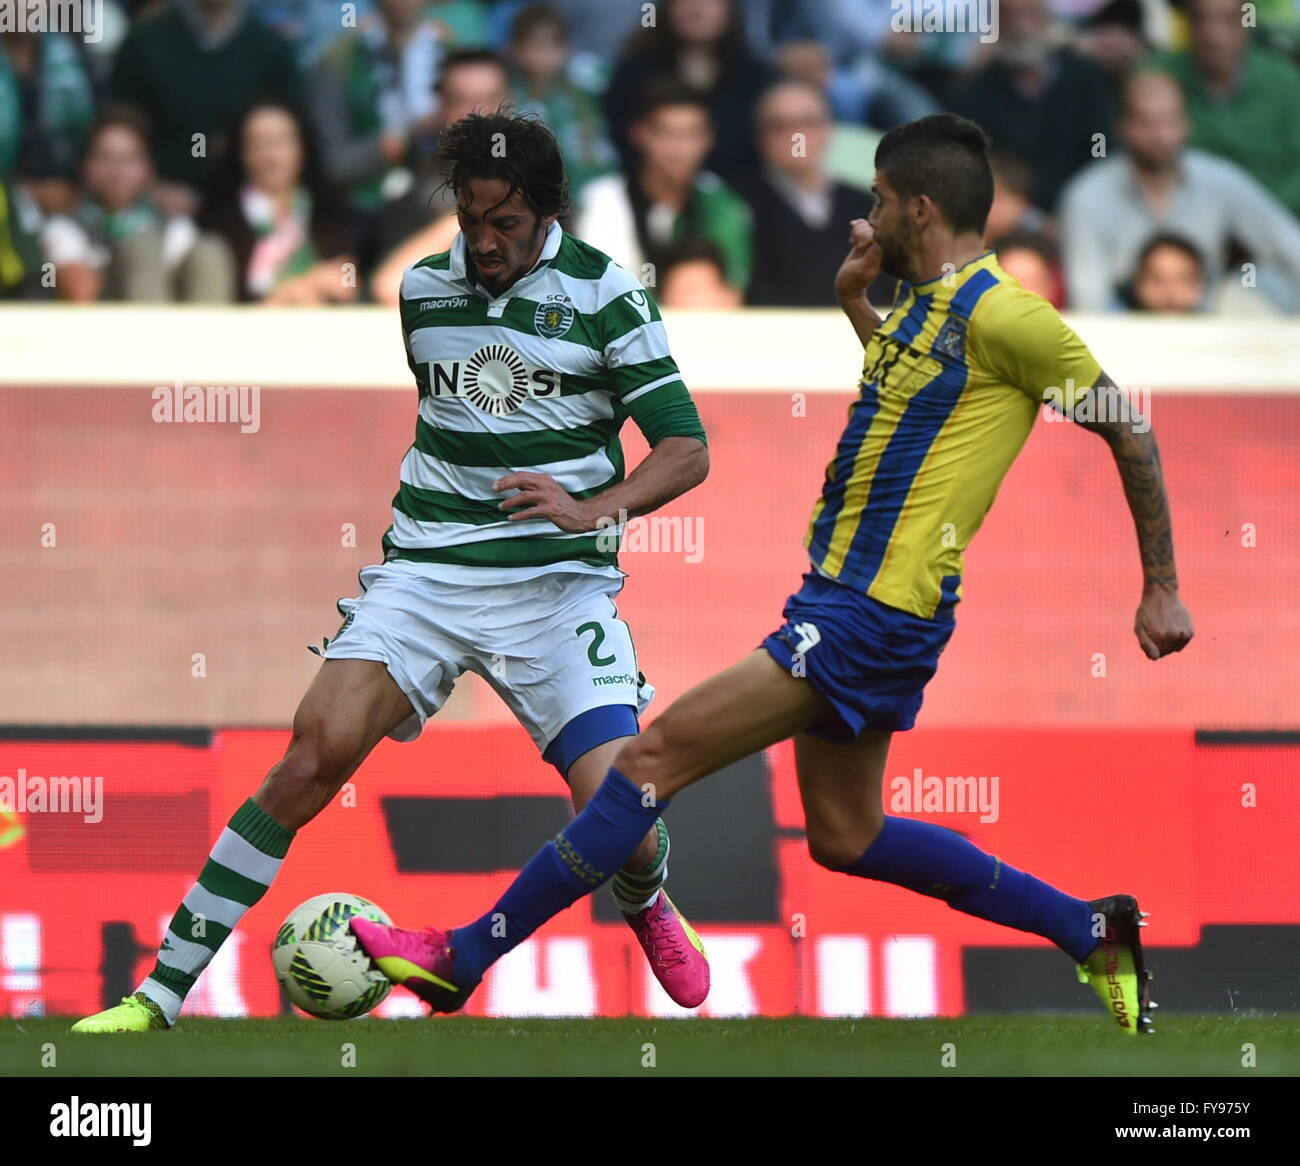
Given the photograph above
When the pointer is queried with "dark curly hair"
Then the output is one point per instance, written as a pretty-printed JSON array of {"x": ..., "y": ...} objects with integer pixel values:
[{"x": 517, "y": 148}]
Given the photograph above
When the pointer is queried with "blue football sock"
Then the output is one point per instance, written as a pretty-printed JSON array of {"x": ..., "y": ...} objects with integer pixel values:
[
  {"x": 587, "y": 852},
  {"x": 940, "y": 863}
]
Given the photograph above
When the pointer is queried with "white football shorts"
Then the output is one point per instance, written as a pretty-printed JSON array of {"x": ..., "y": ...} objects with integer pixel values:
[{"x": 553, "y": 647}]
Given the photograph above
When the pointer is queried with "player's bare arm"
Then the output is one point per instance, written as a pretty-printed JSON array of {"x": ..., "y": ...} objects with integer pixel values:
[
  {"x": 1163, "y": 624},
  {"x": 861, "y": 265},
  {"x": 674, "y": 466}
]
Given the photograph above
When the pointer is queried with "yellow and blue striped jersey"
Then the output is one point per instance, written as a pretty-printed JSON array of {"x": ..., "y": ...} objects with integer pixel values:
[{"x": 951, "y": 384}]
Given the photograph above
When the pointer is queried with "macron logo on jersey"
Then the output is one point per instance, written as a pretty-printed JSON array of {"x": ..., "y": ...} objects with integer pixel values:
[
  {"x": 446, "y": 302},
  {"x": 638, "y": 300}
]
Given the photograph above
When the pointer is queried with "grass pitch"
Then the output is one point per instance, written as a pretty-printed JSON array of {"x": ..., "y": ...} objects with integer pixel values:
[{"x": 1187, "y": 1045}]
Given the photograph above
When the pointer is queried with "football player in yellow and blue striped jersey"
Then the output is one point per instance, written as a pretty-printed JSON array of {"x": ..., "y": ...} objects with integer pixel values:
[{"x": 951, "y": 384}]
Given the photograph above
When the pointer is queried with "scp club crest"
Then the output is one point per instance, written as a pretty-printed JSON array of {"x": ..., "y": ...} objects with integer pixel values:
[{"x": 553, "y": 318}]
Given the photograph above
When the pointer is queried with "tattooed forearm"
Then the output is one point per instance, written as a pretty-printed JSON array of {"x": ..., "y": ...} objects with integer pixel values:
[{"x": 1138, "y": 459}]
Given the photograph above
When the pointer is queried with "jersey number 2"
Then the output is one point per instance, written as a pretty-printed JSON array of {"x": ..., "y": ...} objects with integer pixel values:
[{"x": 593, "y": 649}]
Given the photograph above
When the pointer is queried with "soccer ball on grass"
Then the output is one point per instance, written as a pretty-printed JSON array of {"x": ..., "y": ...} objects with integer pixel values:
[{"x": 319, "y": 964}]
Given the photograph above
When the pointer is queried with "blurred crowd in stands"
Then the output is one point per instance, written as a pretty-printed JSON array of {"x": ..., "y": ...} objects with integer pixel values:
[{"x": 1146, "y": 154}]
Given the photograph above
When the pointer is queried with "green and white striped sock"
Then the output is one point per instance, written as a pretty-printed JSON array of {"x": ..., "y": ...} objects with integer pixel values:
[
  {"x": 635, "y": 890},
  {"x": 242, "y": 865}
]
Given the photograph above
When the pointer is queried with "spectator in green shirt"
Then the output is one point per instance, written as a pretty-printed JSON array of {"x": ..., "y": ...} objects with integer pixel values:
[
  {"x": 46, "y": 101},
  {"x": 667, "y": 199},
  {"x": 193, "y": 69},
  {"x": 462, "y": 24},
  {"x": 539, "y": 56},
  {"x": 375, "y": 109},
  {"x": 114, "y": 245},
  {"x": 1243, "y": 99}
]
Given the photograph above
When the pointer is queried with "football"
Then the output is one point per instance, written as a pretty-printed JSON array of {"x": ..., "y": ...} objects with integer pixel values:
[{"x": 318, "y": 963}]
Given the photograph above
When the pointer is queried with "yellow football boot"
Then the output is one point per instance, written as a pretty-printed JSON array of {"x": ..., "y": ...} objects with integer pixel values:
[
  {"x": 135, "y": 1014},
  {"x": 1117, "y": 968}
]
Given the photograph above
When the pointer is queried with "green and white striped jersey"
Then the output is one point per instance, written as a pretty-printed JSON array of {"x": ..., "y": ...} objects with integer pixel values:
[{"x": 539, "y": 378}]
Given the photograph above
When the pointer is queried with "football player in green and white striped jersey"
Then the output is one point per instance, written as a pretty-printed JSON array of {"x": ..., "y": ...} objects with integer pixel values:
[{"x": 529, "y": 350}]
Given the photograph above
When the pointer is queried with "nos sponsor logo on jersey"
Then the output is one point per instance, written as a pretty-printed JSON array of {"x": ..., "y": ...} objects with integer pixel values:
[{"x": 495, "y": 379}]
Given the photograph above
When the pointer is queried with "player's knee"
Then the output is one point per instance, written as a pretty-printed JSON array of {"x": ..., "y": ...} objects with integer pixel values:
[
  {"x": 302, "y": 784},
  {"x": 832, "y": 851},
  {"x": 639, "y": 759},
  {"x": 840, "y": 847},
  {"x": 656, "y": 758}
]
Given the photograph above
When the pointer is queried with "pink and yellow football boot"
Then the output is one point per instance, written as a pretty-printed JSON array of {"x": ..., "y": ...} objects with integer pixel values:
[
  {"x": 419, "y": 960},
  {"x": 676, "y": 953}
]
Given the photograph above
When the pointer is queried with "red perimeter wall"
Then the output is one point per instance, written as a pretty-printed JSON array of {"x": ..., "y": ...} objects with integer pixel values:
[
  {"x": 181, "y": 539},
  {"x": 1093, "y": 811}
]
